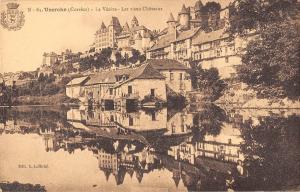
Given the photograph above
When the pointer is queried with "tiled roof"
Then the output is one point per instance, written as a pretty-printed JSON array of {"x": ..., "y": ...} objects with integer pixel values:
[
  {"x": 186, "y": 34},
  {"x": 165, "y": 41},
  {"x": 77, "y": 81},
  {"x": 166, "y": 64},
  {"x": 137, "y": 28},
  {"x": 208, "y": 37},
  {"x": 141, "y": 72}
]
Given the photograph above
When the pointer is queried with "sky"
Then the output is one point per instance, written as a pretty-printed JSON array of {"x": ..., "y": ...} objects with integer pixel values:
[{"x": 56, "y": 31}]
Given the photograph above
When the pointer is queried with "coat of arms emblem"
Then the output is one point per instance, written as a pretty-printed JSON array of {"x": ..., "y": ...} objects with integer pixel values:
[{"x": 12, "y": 19}]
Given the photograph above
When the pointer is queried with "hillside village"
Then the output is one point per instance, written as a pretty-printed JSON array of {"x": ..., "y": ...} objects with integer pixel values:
[{"x": 133, "y": 62}]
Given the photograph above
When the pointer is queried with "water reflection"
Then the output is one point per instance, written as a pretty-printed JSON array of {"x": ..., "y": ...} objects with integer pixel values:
[{"x": 191, "y": 149}]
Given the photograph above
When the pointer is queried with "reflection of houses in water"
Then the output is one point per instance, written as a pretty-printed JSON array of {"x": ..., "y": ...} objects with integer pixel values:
[
  {"x": 18, "y": 126},
  {"x": 179, "y": 123},
  {"x": 224, "y": 147},
  {"x": 49, "y": 138},
  {"x": 118, "y": 164},
  {"x": 139, "y": 121}
]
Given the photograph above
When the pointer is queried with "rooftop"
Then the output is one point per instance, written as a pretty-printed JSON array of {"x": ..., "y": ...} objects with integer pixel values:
[
  {"x": 141, "y": 72},
  {"x": 208, "y": 37},
  {"x": 77, "y": 81},
  {"x": 186, "y": 34},
  {"x": 167, "y": 64}
]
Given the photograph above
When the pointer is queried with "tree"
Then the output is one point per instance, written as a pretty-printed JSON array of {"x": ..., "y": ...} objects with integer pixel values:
[
  {"x": 247, "y": 15},
  {"x": 207, "y": 81},
  {"x": 135, "y": 56},
  {"x": 271, "y": 151},
  {"x": 270, "y": 62},
  {"x": 119, "y": 58}
]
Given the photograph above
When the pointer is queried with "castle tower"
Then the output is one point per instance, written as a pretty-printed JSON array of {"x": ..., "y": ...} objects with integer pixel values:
[
  {"x": 113, "y": 29},
  {"x": 198, "y": 6},
  {"x": 134, "y": 22},
  {"x": 126, "y": 27},
  {"x": 103, "y": 27},
  {"x": 171, "y": 21},
  {"x": 184, "y": 17}
]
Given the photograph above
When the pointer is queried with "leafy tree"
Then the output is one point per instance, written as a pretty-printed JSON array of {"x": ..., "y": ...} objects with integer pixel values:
[
  {"x": 119, "y": 58},
  {"x": 207, "y": 81},
  {"x": 246, "y": 15},
  {"x": 142, "y": 58},
  {"x": 211, "y": 8},
  {"x": 208, "y": 121},
  {"x": 273, "y": 59},
  {"x": 271, "y": 151},
  {"x": 135, "y": 56},
  {"x": 270, "y": 62}
]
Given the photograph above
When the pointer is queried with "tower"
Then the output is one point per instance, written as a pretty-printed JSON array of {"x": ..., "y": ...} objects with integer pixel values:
[
  {"x": 103, "y": 27},
  {"x": 198, "y": 6},
  {"x": 184, "y": 17},
  {"x": 113, "y": 29},
  {"x": 171, "y": 21},
  {"x": 134, "y": 22}
]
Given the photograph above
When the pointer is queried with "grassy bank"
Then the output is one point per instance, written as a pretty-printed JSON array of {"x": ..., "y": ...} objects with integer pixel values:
[{"x": 57, "y": 99}]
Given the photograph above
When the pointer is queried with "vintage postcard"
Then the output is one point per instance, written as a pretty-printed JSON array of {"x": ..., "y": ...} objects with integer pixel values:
[{"x": 149, "y": 95}]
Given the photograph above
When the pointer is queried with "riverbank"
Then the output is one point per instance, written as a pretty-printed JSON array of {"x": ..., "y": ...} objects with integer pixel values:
[
  {"x": 57, "y": 99},
  {"x": 240, "y": 95}
]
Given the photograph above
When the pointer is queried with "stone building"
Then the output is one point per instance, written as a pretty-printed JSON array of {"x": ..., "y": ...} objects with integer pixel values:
[
  {"x": 105, "y": 36},
  {"x": 126, "y": 85}
]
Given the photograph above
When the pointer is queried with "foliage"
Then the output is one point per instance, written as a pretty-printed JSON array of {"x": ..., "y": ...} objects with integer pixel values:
[
  {"x": 45, "y": 85},
  {"x": 210, "y": 8},
  {"x": 26, "y": 75},
  {"x": 209, "y": 120},
  {"x": 103, "y": 59},
  {"x": 135, "y": 56},
  {"x": 271, "y": 151},
  {"x": 207, "y": 81},
  {"x": 272, "y": 60},
  {"x": 247, "y": 15}
]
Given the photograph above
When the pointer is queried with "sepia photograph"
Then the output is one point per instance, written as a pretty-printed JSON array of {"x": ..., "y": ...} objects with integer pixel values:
[{"x": 149, "y": 95}]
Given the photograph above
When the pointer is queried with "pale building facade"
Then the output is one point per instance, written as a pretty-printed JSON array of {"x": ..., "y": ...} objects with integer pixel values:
[
  {"x": 75, "y": 89},
  {"x": 176, "y": 74}
]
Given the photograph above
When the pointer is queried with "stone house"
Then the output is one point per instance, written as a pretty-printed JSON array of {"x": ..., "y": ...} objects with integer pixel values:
[
  {"x": 126, "y": 85},
  {"x": 176, "y": 74},
  {"x": 75, "y": 89}
]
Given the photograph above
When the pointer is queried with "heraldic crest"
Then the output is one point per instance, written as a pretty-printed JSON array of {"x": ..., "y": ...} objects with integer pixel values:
[{"x": 12, "y": 19}]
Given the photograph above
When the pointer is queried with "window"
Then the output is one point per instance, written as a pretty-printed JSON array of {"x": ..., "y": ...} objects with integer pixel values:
[
  {"x": 153, "y": 116},
  {"x": 111, "y": 92},
  {"x": 180, "y": 76},
  {"x": 226, "y": 59},
  {"x": 129, "y": 89},
  {"x": 171, "y": 76},
  {"x": 130, "y": 121},
  {"x": 152, "y": 92}
]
